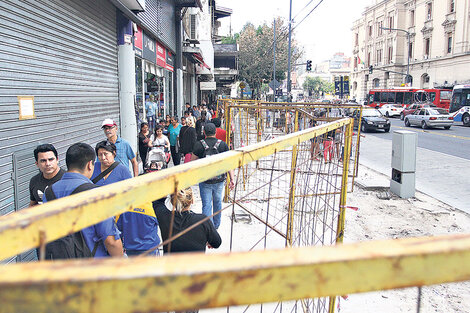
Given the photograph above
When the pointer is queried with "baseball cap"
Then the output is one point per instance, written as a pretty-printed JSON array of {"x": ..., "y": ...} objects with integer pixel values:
[
  {"x": 108, "y": 122},
  {"x": 209, "y": 129}
]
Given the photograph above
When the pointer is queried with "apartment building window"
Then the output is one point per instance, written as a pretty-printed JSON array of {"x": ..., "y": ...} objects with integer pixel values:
[
  {"x": 379, "y": 28},
  {"x": 368, "y": 59},
  {"x": 410, "y": 50},
  {"x": 390, "y": 55},
  {"x": 356, "y": 39},
  {"x": 449, "y": 44},
  {"x": 412, "y": 18},
  {"x": 427, "y": 47},
  {"x": 379, "y": 56},
  {"x": 355, "y": 62},
  {"x": 452, "y": 6},
  {"x": 390, "y": 22},
  {"x": 429, "y": 11}
]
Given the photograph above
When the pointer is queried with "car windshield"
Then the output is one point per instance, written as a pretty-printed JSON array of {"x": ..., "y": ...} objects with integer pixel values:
[
  {"x": 437, "y": 111},
  {"x": 397, "y": 106},
  {"x": 371, "y": 113}
]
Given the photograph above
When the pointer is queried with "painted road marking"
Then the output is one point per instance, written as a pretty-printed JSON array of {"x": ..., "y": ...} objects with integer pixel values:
[{"x": 432, "y": 132}]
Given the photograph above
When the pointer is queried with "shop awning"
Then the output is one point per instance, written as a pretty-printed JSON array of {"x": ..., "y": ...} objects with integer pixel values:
[
  {"x": 194, "y": 55},
  {"x": 200, "y": 60}
]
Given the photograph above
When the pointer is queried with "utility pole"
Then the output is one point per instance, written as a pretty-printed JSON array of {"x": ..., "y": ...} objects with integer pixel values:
[
  {"x": 274, "y": 57},
  {"x": 289, "y": 53}
]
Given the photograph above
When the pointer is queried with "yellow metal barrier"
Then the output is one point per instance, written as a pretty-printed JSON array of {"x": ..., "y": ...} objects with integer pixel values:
[
  {"x": 183, "y": 282},
  {"x": 31, "y": 227}
]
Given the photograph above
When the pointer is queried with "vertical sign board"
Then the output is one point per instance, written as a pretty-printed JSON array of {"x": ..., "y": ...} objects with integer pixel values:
[
  {"x": 346, "y": 85},
  {"x": 169, "y": 61},
  {"x": 149, "y": 52},
  {"x": 337, "y": 85},
  {"x": 138, "y": 42},
  {"x": 161, "y": 55}
]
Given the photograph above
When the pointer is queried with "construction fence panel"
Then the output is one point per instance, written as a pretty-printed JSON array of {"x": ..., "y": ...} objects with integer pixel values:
[{"x": 295, "y": 193}]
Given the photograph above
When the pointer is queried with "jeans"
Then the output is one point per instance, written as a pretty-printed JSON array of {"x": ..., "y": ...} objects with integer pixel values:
[
  {"x": 211, "y": 197},
  {"x": 151, "y": 122}
]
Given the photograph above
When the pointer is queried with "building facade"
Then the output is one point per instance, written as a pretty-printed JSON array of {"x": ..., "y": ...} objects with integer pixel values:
[{"x": 428, "y": 38}]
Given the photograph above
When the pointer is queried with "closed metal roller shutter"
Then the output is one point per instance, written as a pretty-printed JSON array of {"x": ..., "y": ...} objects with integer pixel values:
[
  {"x": 159, "y": 17},
  {"x": 64, "y": 53}
]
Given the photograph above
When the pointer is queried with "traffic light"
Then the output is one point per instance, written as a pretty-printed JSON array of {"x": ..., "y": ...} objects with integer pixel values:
[
  {"x": 371, "y": 69},
  {"x": 309, "y": 65}
]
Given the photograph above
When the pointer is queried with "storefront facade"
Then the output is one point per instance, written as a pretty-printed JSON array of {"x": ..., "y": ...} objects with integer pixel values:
[{"x": 154, "y": 75}]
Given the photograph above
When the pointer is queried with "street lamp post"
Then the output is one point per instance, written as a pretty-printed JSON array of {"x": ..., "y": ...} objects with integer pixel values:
[{"x": 408, "y": 61}]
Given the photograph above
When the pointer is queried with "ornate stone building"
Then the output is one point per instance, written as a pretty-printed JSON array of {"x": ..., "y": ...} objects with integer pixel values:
[{"x": 431, "y": 39}]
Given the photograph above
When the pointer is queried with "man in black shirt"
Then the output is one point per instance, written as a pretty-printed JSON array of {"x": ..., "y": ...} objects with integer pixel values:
[
  {"x": 48, "y": 163},
  {"x": 200, "y": 124},
  {"x": 211, "y": 190}
]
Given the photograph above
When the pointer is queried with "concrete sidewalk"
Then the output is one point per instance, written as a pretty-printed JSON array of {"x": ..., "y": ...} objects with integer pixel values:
[{"x": 444, "y": 177}]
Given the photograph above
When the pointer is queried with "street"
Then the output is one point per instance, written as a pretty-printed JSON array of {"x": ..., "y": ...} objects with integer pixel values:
[
  {"x": 442, "y": 160},
  {"x": 454, "y": 141}
]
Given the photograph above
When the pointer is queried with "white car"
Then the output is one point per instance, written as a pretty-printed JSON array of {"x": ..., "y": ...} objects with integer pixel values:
[
  {"x": 430, "y": 117},
  {"x": 391, "y": 110}
]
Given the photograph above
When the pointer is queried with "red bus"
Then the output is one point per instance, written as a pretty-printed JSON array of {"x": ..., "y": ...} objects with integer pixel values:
[{"x": 407, "y": 95}]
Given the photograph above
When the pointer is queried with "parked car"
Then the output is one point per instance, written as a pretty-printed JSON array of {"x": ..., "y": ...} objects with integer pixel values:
[
  {"x": 391, "y": 110},
  {"x": 412, "y": 108},
  {"x": 372, "y": 119},
  {"x": 430, "y": 117}
]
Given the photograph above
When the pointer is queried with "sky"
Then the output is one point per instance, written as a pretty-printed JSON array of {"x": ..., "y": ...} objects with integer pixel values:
[{"x": 324, "y": 32}]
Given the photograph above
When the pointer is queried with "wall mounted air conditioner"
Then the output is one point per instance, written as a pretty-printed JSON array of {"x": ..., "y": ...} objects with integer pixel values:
[{"x": 193, "y": 27}]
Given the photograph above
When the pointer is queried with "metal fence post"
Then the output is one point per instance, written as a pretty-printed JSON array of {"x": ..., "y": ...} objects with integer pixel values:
[
  {"x": 290, "y": 218},
  {"x": 344, "y": 192},
  {"x": 228, "y": 122}
]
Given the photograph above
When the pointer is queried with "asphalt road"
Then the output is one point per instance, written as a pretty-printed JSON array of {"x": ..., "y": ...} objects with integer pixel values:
[{"x": 454, "y": 141}]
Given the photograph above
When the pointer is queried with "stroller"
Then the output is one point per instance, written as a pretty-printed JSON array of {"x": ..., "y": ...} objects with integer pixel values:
[{"x": 157, "y": 159}]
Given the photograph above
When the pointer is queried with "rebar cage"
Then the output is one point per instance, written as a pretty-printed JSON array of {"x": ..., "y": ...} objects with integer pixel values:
[{"x": 292, "y": 196}]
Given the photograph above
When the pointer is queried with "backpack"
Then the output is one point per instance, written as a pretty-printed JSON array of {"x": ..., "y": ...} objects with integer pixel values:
[
  {"x": 200, "y": 133},
  {"x": 208, "y": 151},
  {"x": 71, "y": 246}
]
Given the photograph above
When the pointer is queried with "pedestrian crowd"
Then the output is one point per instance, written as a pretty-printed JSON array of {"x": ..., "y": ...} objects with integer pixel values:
[{"x": 196, "y": 135}]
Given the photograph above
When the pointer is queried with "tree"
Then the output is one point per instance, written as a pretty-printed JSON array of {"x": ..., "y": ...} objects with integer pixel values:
[
  {"x": 256, "y": 54},
  {"x": 230, "y": 39},
  {"x": 315, "y": 86}
]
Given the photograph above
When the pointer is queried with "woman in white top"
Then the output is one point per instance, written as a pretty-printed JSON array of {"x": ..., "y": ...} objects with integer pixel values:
[{"x": 158, "y": 139}]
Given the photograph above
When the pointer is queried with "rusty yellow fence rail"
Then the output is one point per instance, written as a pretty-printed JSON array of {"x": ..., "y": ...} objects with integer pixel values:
[
  {"x": 29, "y": 228},
  {"x": 207, "y": 281}
]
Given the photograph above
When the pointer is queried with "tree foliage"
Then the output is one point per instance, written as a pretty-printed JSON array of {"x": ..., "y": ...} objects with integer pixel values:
[
  {"x": 315, "y": 86},
  {"x": 256, "y": 53},
  {"x": 230, "y": 39}
]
